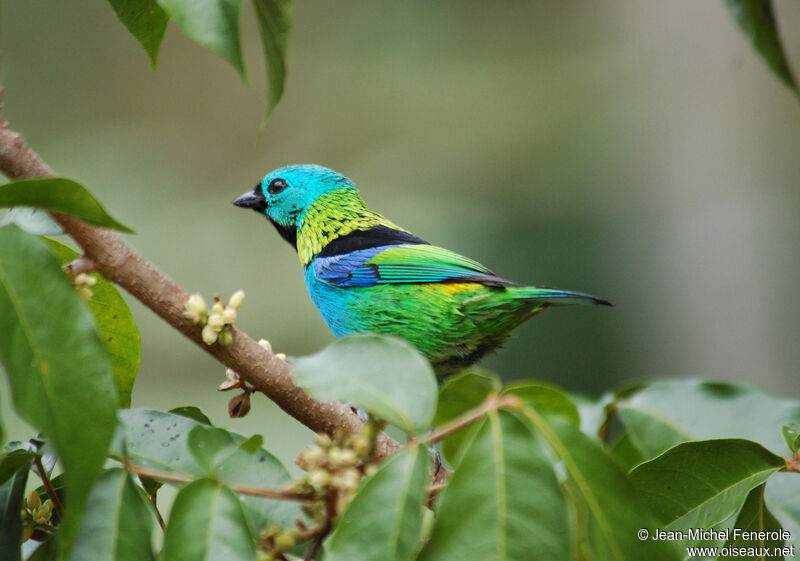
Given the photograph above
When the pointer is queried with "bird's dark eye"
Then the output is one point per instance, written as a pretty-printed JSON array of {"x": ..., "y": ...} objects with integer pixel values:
[{"x": 276, "y": 186}]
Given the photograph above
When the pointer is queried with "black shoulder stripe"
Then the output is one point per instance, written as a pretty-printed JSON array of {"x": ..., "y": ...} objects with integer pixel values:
[{"x": 372, "y": 237}]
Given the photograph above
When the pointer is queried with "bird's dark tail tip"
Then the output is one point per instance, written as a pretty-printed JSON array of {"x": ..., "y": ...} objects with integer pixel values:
[{"x": 557, "y": 297}]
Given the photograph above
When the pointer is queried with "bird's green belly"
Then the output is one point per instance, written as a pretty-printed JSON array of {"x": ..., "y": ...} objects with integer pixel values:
[{"x": 453, "y": 324}]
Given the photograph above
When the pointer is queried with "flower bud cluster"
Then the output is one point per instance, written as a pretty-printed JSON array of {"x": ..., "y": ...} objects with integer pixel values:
[
  {"x": 216, "y": 324},
  {"x": 276, "y": 541},
  {"x": 83, "y": 283},
  {"x": 35, "y": 513}
]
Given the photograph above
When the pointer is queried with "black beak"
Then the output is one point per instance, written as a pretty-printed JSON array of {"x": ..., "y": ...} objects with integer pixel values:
[{"x": 252, "y": 199}]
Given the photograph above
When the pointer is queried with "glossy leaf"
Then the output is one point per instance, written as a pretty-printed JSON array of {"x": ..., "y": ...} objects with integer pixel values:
[
  {"x": 208, "y": 523},
  {"x": 458, "y": 394},
  {"x": 60, "y": 373},
  {"x": 209, "y": 445},
  {"x": 213, "y": 24},
  {"x": 384, "y": 519},
  {"x": 192, "y": 412},
  {"x": 384, "y": 375},
  {"x": 625, "y": 453},
  {"x": 791, "y": 436},
  {"x": 667, "y": 413},
  {"x": 159, "y": 440},
  {"x": 610, "y": 511},
  {"x": 60, "y": 195},
  {"x": 12, "y": 461},
  {"x": 754, "y": 517},
  {"x": 115, "y": 324},
  {"x": 274, "y": 19},
  {"x": 503, "y": 501},
  {"x": 117, "y": 523},
  {"x": 33, "y": 220},
  {"x": 546, "y": 399},
  {"x": 12, "y": 493},
  {"x": 782, "y": 497},
  {"x": 702, "y": 484},
  {"x": 146, "y": 21},
  {"x": 757, "y": 21}
]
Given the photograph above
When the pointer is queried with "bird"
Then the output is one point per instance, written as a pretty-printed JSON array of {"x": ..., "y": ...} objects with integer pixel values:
[{"x": 365, "y": 274}]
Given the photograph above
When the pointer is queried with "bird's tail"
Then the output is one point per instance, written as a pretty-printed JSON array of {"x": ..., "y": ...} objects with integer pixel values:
[{"x": 555, "y": 296}]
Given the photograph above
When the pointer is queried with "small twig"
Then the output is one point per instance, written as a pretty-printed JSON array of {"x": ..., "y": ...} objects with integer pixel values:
[
  {"x": 48, "y": 486},
  {"x": 434, "y": 488},
  {"x": 611, "y": 413},
  {"x": 81, "y": 264},
  {"x": 154, "y": 504},
  {"x": 492, "y": 403},
  {"x": 243, "y": 489},
  {"x": 313, "y": 547},
  {"x": 792, "y": 464}
]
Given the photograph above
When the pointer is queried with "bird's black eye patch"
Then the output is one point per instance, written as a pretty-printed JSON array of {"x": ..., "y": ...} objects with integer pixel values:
[{"x": 276, "y": 186}]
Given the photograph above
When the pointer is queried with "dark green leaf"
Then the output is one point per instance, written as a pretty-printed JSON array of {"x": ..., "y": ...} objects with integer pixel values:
[
  {"x": 625, "y": 453},
  {"x": 546, "y": 399},
  {"x": 117, "y": 523},
  {"x": 754, "y": 517},
  {"x": 791, "y": 436},
  {"x": 703, "y": 484},
  {"x": 12, "y": 461},
  {"x": 191, "y": 412},
  {"x": 384, "y": 375},
  {"x": 490, "y": 509},
  {"x": 146, "y": 21},
  {"x": 458, "y": 394},
  {"x": 384, "y": 519},
  {"x": 60, "y": 374},
  {"x": 59, "y": 195},
  {"x": 207, "y": 523},
  {"x": 667, "y": 413},
  {"x": 213, "y": 24},
  {"x": 610, "y": 511},
  {"x": 12, "y": 493},
  {"x": 274, "y": 24},
  {"x": 114, "y": 322},
  {"x": 159, "y": 440},
  {"x": 757, "y": 20}
]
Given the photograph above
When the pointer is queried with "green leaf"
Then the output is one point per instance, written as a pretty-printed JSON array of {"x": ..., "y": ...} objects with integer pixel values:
[
  {"x": 274, "y": 19},
  {"x": 12, "y": 493},
  {"x": 159, "y": 440},
  {"x": 60, "y": 195},
  {"x": 625, "y": 453},
  {"x": 703, "y": 484},
  {"x": 593, "y": 414},
  {"x": 117, "y": 523},
  {"x": 114, "y": 322},
  {"x": 609, "y": 510},
  {"x": 384, "y": 519},
  {"x": 384, "y": 375},
  {"x": 791, "y": 436},
  {"x": 667, "y": 413},
  {"x": 192, "y": 412},
  {"x": 213, "y": 24},
  {"x": 757, "y": 20},
  {"x": 146, "y": 21},
  {"x": 546, "y": 399},
  {"x": 754, "y": 517},
  {"x": 490, "y": 509},
  {"x": 207, "y": 523},
  {"x": 59, "y": 371},
  {"x": 458, "y": 394},
  {"x": 782, "y": 496},
  {"x": 209, "y": 445},
  {"x": 12, "y": 461}
]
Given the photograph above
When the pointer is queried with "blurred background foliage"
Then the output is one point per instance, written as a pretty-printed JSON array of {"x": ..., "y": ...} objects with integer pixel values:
[{"x": 639, "y": 151}]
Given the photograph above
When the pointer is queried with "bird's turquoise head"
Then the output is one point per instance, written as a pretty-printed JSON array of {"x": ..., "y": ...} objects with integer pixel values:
[{"x": 286, "y": 193}]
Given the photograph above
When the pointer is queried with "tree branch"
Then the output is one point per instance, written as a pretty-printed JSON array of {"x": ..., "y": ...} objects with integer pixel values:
[{"x": 120, "y": 263}]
